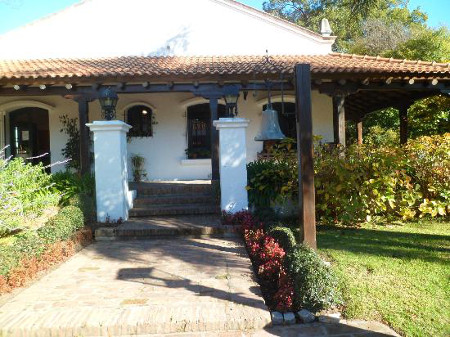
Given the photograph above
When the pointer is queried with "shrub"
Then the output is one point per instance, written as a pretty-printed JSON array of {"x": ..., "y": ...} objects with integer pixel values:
[
  {"x": 25, "y": 192},
  {"x": 429, "y": 162},
  {"x": 32, "y": 243},
  {"x": 284, "y": 236},
  {"x": 71, "y": 150},
  {"x": 76, "y": 190},
  {"x": 315, "y": 285},
  {"x": 71, "y": 185},
  {"x": 63, "y": 225},
  {"x": 359, "y": 183}
]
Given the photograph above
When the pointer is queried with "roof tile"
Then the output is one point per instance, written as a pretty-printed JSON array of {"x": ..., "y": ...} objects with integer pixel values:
[{"x": 211, "y": 65}]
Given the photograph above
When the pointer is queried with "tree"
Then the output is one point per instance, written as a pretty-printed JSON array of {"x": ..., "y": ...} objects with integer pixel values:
[{"x": 386, "y": 28}]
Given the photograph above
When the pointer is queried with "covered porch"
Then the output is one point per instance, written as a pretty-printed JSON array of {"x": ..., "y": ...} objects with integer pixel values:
[{"x": 328, "y": 90}]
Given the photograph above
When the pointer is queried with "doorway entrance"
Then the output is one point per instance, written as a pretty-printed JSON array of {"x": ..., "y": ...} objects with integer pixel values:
[{"x": 30, "y": 134}]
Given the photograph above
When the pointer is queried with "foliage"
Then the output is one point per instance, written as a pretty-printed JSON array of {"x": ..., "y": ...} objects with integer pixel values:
[
  {"x": 63, "y": 225},
  {"x": 71, "y": 150},
  {"x": 396, "y": 274},
  {"x": 273, "y": 179},
  {"x": 284, "y": 236},
  {"x": 359, "y": 183},
  {"x": 380, "y": 27},
  {"x": 198, "y": 153},
  {"x": 33, "y": 242},
  {"x": 138, "y": 163},
  {"x": 25, "y": 193},
  {"x": 315, "y": 285},
  {"x": 72, "y": 184},
  {"x": 76, "y": 190},
  {"x": 429, "y": 160},
  {"x": 17, "y": 269},
  {"x": 304, "y": 281},
  {"x": 268, "y": 260}
]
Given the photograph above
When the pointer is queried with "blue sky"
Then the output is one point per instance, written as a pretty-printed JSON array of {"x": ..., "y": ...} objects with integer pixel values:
[{"x": 15, "y": 13}]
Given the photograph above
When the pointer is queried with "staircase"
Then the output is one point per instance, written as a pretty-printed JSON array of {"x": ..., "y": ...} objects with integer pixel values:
[
  {"x": 170, "y": 199},
  {"x": 169, "y": 209}
]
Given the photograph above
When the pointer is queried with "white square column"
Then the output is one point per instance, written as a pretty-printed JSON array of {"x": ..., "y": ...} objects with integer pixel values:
[
  {"x": 232, "y": 163},
  {"x": 111, "y": 171}
]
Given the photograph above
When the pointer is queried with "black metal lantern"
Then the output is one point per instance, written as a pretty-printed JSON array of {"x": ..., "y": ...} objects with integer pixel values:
[
  {"x": 108, "y": 101},
  {"x": 231, "y": 96}
]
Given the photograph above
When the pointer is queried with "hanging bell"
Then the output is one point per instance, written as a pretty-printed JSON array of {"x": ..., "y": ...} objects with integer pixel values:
[{"x": 270, "y": 126}]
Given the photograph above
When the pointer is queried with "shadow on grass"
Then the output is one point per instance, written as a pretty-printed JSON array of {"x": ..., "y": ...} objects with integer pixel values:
[{"x": 428, "y": 247}]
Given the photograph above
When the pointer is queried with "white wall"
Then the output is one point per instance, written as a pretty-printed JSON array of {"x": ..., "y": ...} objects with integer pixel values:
[
  {"x": 143, "y": 27},
  {"x": 165, "y": 151}
]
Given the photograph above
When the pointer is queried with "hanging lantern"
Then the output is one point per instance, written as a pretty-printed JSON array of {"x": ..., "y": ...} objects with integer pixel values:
[
  {"x": 231, "y": 96},
  {"x": 108, "y": 100},
  {"x": 270, "y": 126}
]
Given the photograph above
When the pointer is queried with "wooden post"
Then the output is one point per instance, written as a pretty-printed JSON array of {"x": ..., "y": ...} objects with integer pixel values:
[
  {"x": 403, "y": 116},
  {"x": 213, "y": 107},
  {"x": 359, "y": 131},
  {"x": 305, "y": 150},
  {"x": 83, "y": 117},
  {"x": 339, "y": 119}
]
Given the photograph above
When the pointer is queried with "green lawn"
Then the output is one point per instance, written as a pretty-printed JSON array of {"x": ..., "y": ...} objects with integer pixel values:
[{"x": 396, "y": 274}]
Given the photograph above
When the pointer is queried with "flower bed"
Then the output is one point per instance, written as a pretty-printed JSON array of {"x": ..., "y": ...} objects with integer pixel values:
[
  {"x": 30, "y": 265},
  {"x": 291, "y": 276}
]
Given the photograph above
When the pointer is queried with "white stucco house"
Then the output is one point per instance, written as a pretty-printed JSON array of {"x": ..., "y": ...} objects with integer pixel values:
[
  {"x": 171, "y": 63},
  {"x": 151, "y": 28}
]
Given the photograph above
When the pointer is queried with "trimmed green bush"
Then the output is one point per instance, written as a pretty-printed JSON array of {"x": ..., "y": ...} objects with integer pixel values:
[
  {"x": 315, "y": 285},
  {"x": 32, "y": 243},
  {"x": 63, "y": 225},
  {"x": 284, "y": 236},
  {"x": 86, "y": 203}
]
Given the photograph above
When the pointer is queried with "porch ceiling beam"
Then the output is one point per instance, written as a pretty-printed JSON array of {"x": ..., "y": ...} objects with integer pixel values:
[
  {"x": 198, "y": 89},
  {"x": 332, "y": 88}
]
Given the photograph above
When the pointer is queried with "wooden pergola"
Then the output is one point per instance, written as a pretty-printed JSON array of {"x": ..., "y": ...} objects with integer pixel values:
[{"x": 358, "y": 85}]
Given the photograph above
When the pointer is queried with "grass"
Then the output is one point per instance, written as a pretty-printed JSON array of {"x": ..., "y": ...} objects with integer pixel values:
[{"x": 395, "y": 274}]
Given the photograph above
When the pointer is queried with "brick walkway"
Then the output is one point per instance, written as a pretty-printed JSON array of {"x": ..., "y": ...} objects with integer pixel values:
[{"x": 202, "y": 286}]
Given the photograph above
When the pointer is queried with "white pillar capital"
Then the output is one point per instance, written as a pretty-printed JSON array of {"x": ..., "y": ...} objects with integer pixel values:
[
  {"x": 111, "y": 171},
  {"x": 119, "y": 126},
  {"x": 233, "y": 163}
]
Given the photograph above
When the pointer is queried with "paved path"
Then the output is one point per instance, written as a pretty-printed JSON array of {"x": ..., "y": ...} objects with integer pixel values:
[
  {"x": 158, "y": 286},
  {"x": 201, "y": 286}
]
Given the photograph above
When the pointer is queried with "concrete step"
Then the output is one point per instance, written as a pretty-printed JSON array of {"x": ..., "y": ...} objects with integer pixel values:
[
  {"x": 152, "y": 189},
  {"x": 166, "y": 226},
  {"x": 172, "y": 199},
  {"x": 176, "y": 209}
]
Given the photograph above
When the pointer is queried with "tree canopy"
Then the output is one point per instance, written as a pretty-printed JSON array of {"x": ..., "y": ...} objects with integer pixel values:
[{"x": 380, "y": 27}]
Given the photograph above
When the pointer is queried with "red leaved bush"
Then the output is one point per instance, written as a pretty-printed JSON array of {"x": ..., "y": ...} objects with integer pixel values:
[
  {"x": 267, "y": 257},
  {"x": 54, "y": 254}
]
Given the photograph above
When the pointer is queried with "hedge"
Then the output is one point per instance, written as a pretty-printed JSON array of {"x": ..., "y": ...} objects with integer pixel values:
[{"x": 33, "y": 243}]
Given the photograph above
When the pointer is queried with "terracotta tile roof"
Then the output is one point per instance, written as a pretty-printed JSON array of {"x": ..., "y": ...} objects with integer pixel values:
[{"x": 188, "y": 67}]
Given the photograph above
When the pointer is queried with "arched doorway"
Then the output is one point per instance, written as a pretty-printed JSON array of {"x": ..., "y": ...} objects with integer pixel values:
[{"x": 30, "y": 134}]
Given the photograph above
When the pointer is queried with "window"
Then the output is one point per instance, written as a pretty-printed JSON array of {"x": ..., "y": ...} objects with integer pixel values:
[
  {"x": 199, "y": 130},
  {"x": 288, "y": 124},
  {"x": 140, "y": 117}
]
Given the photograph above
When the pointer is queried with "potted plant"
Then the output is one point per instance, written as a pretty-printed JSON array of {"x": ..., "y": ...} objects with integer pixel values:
[{"x": 139, "y": 172}]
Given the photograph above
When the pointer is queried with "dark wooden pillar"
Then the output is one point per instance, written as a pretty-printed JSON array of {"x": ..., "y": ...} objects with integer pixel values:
[
  {"x": 305, "y": 152},
  {"x": 403, "y": 115},
  {"x": 359, "y": 131},
  {"x": 213, "y": 106},
  {"x": 83, "y": 117},
  {"x": 339, "y": 119}
]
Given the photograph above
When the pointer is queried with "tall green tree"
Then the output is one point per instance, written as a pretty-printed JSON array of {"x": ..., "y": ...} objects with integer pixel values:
[{"x": 380, "y": 27}]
